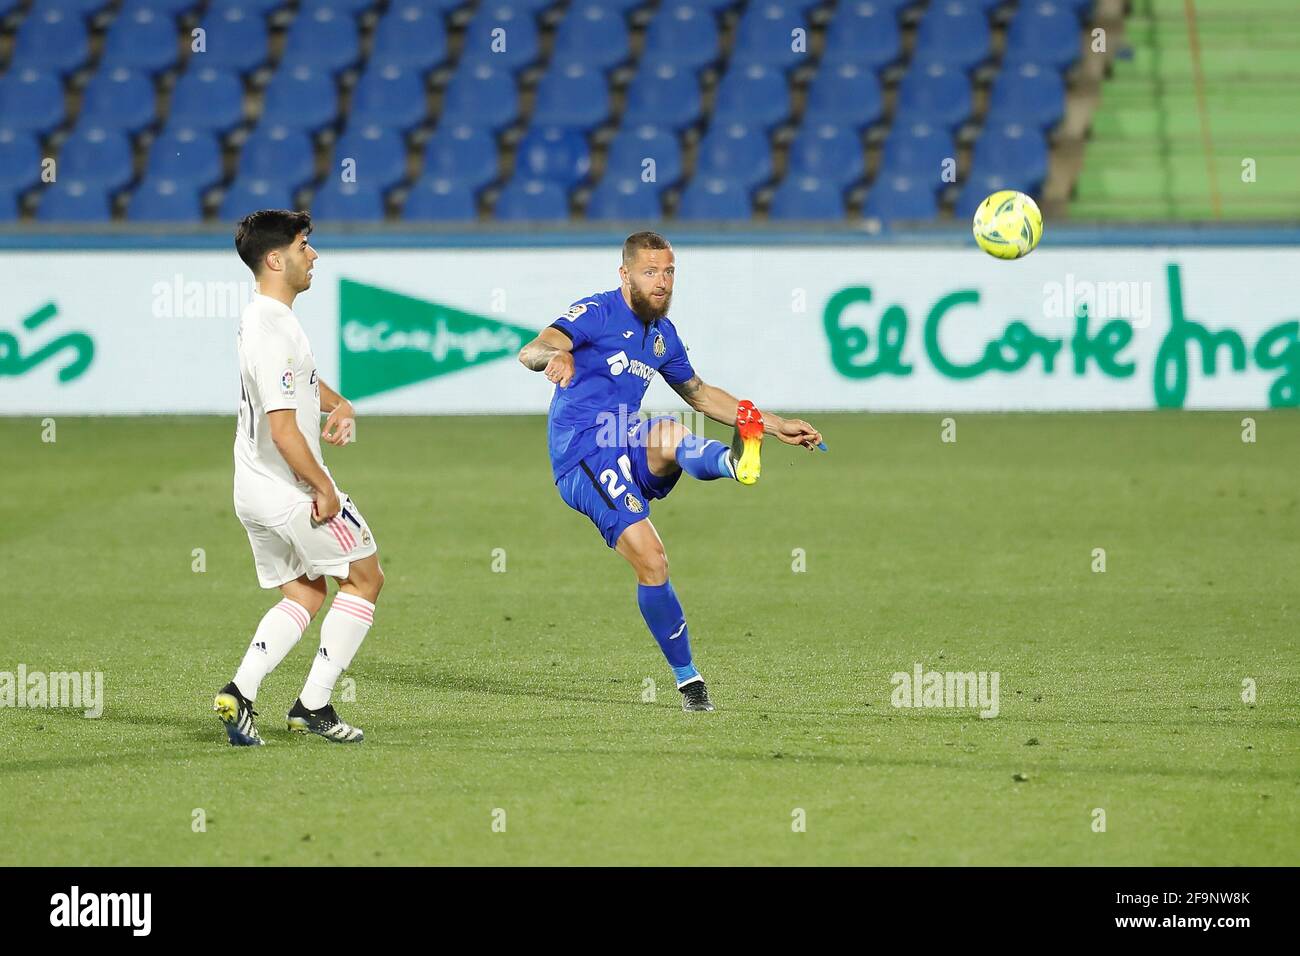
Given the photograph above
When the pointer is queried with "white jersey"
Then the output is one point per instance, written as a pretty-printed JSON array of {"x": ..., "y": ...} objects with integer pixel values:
[{"x": 277, "y": 371}]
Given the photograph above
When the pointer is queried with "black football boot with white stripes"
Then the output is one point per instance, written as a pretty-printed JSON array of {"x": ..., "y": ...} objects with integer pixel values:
[
  {"x": 237, "y": 713},
  {"x": 324, "y": 722},
  {"x": 695, "y": 696}
]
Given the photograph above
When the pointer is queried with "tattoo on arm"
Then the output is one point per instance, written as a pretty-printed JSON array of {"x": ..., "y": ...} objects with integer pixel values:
[
  {"x": 536, "y": 354},
  {"x": 690, "y": 390}
]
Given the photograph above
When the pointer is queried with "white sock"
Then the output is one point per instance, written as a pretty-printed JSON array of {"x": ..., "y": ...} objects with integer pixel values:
[
  {"x": 341, "y": 633},
  {"x": 279, "y": 631}
]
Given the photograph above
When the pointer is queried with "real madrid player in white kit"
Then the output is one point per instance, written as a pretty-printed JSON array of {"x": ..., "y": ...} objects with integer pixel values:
[{"x": 300, "y": 526}]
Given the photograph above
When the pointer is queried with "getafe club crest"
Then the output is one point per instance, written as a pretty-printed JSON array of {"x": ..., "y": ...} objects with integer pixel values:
[
  {"x": 660, "y": 348},
  {"x": 633, "y": 503}
]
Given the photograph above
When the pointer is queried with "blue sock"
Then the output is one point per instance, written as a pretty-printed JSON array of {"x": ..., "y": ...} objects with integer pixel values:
[
  {"x": 664, "y": 616},
  {"x": 704, "y": 458}
]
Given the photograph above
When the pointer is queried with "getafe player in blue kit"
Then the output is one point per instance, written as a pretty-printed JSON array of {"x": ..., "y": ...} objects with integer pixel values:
[{"x": 609, "y": 465}]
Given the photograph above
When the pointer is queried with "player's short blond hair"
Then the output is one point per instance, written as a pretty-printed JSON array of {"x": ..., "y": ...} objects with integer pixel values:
[{"x": 642, "y": 240}]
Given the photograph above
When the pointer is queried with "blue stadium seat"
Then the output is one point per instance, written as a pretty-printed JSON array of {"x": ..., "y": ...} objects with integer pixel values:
[
  {"x": 441, "y": 7},
  {"x": 207, "y": 98},
  {"x": 807, "y": 197},
  {"x": 531, "y": 200},
  {"x": 898, "y": 197},
  {"x": 633, "y": 145},
  {"x": 826, "y": 152},
  {"x": 351, "y": 7},
  {"x": 186, "y": 155},
  {"x": 933, "y": 93},
  {"x": 51, "y": 40},
  {"x": 159, "y": 199},
  {"x": 753, "y": 94},
  {"x": 247, "y": 195},
  {"x": 1045, "y": 33},
  {"x": 503, "y": 35},
  {"x": 682, "y": 35},
  {"x": 236, "y": 39},
  {"x": 865, "y": 35},
  {"x": 76, "y": 8},
  {"x": 119, "y": 98},
  {"x": 1013, "y": 150},
  {"x": 410, "y": 36},
  {"x": 141, "y": 38},
  {"x": 479, "y": 94},
  {"x": 767, "y": 35},
  {"x": 278, "y": 154},
  {"x": 439, "y": 199},
  {"x": 300, "y": 97},
  {"x": 979, "y": 187},
  {"x": 98, "y": 157},
  {"x": 462, "y": 154},
  {"x": 348, "y": 202},
  {"x": 572, "y": 94},
  {"x": 714, "y": 198},
  {"x": 1027, "y": 93},
  {"x": 845, "y": 94},
  {"x": 592, "y": 33},
  {"x": 8, "y": 205},
  {"x": 323, "y": 38},
  {"x": 71, "y": 200},
  {"x": 953, "y": 33},
  {"x": 31, "y": 100},
  {"x": 712, "y": 6},
  {"x": 379, "y": 154},
  {"x": 917, "y": 150},
  {"x": 737, "y": 152},
  {"x": 619, "y": 197},
  {"x": 388, "y": 95},
  {"x": 663, "y": 95},
  {"x": 20, "y": 160},
  {"x": 256, "y": 7},
  {"x": 555, "y": 154}
]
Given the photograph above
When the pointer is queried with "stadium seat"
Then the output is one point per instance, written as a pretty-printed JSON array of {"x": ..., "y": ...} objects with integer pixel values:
[
  {"x": 435, "y": 198},
  {"x": 351, "y": 7},
  {"x": 1014, "y": 151},
  {"x": 257, "y": 7},
  {"x": 933, "y": 93},
  {"x": 118, "y": 98},
  {"x": 410, "y": 36},
  {"x": 682, "y": 35},
  {"x": 572, "y": 94},
  {"x": 503, "y": 35},
  {"x": 896, "y": 197},
  {"x": 236, "y": 39},
  {"x": 633, "y": 145},
  {"x": 71, "y": 200},
  {"x": 864, "y": 35},
  {"x": 737, "y": 152},
  {"x": 278, "y": 154},
  {"x": 207, "y": 98},
  {"x": 301, "y": 98},
  {"x": 98, "y": 157},
  {"x": 554, "y": 154},
  {"x": 619, "y": 197},
  {"x": 977, "y": 188},
  {"x": 917, "y": 150},
  {"x": 594, "y": 34},
  {"x": 461, "y": 154},
  {"x": 20, "y": 160},
  {"x": 159, "y": 199},
  {"x": 1045, "y": 33},
  {"x": 845, "y": 94},
  {"x": 826, "y": 152},
  {"x": 767, "y": 34},
  {"x": 8, "y": 205},
  {"x": 1027, "y": 93},
  {"x": 531, "y": 200},
  {"x": 954, "y": 33},
  {"x": 141, "y": 38},
  {"x": 752, "y": 94},
  {"x": 246, "y": 195},
  {"x": 31, "y": 100},
  {"x": 186, "y": 155},
  {"x": 378, "y": 152},
  {"x": 387, "y": 95},
  {"x": 324, "y": 39},
  {"x": 76, "y": 8},
  {"x": 713, "y": 198},
  {"x": 663, "y": 95},
  {"x": 807, "y": 197},
  {"x": 51, "y": 40},
  {"x": 479, "y": 94},
  {"x": 348, "y": 202}
]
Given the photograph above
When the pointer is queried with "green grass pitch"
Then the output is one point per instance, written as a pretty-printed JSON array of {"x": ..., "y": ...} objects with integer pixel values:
[{"x": 522, "y": 691}]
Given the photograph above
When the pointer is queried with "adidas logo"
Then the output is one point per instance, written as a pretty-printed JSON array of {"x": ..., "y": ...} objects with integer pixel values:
[
  {"x": 260, "y": 645},
  {"x": 322, "y": 653}
]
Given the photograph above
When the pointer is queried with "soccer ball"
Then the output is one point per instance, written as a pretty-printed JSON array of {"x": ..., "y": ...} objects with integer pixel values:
[{"x": 1008, "y": 225}]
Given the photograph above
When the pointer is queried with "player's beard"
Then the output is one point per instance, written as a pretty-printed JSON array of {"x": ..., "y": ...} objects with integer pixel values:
[{"x": 643, "y": 306}]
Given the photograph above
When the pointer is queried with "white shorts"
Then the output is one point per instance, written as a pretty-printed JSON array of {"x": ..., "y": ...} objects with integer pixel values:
[{"x": 299, "y": 546}]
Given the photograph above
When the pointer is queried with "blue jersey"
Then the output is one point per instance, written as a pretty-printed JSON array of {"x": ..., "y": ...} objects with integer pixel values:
[{"x": 615, "y": 355}]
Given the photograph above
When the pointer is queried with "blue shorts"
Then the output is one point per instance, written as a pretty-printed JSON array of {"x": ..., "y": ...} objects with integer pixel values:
[{"x": 614, "y": 486}]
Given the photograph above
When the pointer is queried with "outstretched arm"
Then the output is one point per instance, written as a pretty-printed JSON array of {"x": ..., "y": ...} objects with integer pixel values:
[
  {"x": 721, "y": 405},
  {"x": 551, "y": 352}
]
